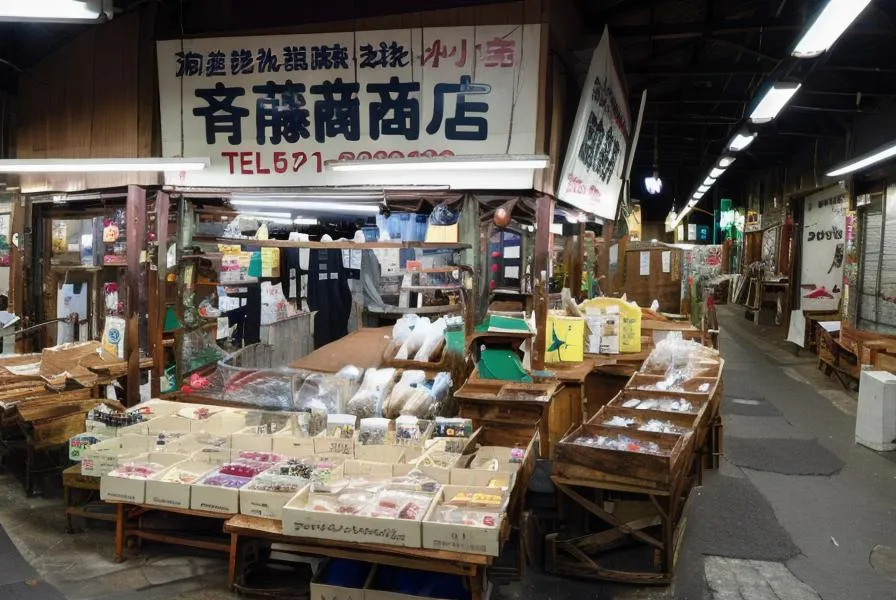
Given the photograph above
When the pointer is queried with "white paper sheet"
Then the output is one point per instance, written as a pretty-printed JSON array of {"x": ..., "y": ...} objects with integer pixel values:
[
  {"x": 644, "y": 267},
  {"x": 614, "y": 255},
  {"x": 512, "y": 272},
  {"x": 830, "y": 326},
  {"x": 223, "y": 328},
  {"x": 511, "y": 252},
  {"x": 667, "y": 261},
  {"x": 797, "y": 331}
]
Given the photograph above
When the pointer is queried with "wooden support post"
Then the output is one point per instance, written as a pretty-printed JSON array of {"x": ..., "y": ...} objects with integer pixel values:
[
  {"x": 577, "y": 264},
  {"x": 158, "y": 300},
  {"x": 135, "y": 211},
  {"x": 544, "y": 217},
  {"x": 16, "y": 264}
]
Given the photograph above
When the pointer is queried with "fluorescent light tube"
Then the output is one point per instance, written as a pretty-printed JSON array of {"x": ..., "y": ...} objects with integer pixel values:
[
  {"x": 726, "y": 161},
  {"x": 716, "y": 173},
  {"x": 697, "y": 195},
  {"x": 653, "y": 185},
  {"x": 101, "y": 165},
  {"x": 709, "y": 181},
  {"x": 266, "y": 215},
  {"x": 304, "y": 221},
  {"x": 454, "y": 163},
  {"x": 741, "y": 140},
  {"x": 703, "y": 189},
  {"x": 867, "y": 160},
  {"x": 774, "y": 101},
  {"x": 332, "y": 206},
  {"x": 54, "y": 10},
  {"x": 832, "y": 21}
]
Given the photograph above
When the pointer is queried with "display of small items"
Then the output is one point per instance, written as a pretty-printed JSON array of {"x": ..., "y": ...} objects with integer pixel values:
[
  {"x": 477, "y": 509},
  {"x": 405, "y": 498},
  {"x": 679, "y": 405},
  {"x": 655, "y": 425},
  {"x": 114, "y": 418},
  {"x": 619, "y": 442}
]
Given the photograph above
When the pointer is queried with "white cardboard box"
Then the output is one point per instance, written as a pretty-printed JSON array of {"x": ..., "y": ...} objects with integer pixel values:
[
  {"x": 323, "y": 591},
  {"x": 261, "y": 503},
  {"x": 479, "y": 478},
  {"x": 468, "y": 539},
  {"x": 334, "y": 445},
  {"x": 173, "y": 493},
  {"x": 292, "y": 446},
  {"x": 133, "y": 491},
  {"x": 214, "y": 498},
  {"x": 347, "y": 528},
  {"x": 101, "y": 458},
  {"x": 248, "y": 438}
]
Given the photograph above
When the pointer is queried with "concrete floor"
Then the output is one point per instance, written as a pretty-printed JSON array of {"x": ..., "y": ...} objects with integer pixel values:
[{"x": 797, "y": 511}]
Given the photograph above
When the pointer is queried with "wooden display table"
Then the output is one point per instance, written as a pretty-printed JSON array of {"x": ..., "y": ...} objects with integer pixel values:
[
  {"x": 244, "y": 530},
  {"x": 128, "y": 524},
  {"x": 88, "y": 488}
]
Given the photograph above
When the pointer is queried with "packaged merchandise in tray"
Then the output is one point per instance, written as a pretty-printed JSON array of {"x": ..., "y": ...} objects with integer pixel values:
[
  {"x": 172, "y": 487},
  {"x": 127, "y": 481},
  {"x": 655, "y": 425},
  {"x": 341, "y": 426},
  {"x": 654, "y": 461},
  {"x": 673, "y": 405},
  {"x": 467, "y": 519},
  {"x": 385, "y": 511},
  {"x": 374, "y": 431},
  {"x": 218, "y": 492}
]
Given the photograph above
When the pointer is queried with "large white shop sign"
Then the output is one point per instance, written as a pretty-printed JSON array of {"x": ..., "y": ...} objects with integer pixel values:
[
  {"x": 822, "y": 251},
  {"x": 271, "y": 110},
  {"x": 595, "y": 159}
]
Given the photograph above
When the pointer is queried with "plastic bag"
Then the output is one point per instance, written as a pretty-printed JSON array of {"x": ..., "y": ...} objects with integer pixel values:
[
  {"x": 434, "y": 336},
  {"x": 414, "y": 341},
  {"x": 403, "y": 328},
  {"x": 368, "y": 400},
  {"x": 442, "y": 215},
  {"x": 319, "y": 391}
]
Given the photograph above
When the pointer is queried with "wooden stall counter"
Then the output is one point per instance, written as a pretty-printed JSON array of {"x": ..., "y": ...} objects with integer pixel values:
[{"x": 363, "y": 348}]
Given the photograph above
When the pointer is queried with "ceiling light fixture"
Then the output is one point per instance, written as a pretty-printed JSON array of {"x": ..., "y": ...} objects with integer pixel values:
[
  {"x": 716, "y": 172},
  {"x": 653, "y": 184},
  {"x": 726, "y": 161},
  {"x": 741, "y": 140},
  {"x": 305, "y": 221},
  {"x": 709, "y": 180},
  {"x": 774, "y": 101},
  {"x": 856, "y": 164},
  {"x": 828, "y": 26},
  {"x": 102, "y": 165},
  {"x": 63, "y": 11},
  {"x": 454, "y": 163},
  {"x": 265, "y": 215},
  {"x": 298, "y": 204},
  {"x": 703, "y": 189}
]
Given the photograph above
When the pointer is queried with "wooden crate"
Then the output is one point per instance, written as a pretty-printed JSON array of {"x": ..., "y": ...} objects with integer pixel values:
[
  {"x": 696, "y": 385},
  {"x": 662, "y": 471},
  {"x": 641, "y": 417}
]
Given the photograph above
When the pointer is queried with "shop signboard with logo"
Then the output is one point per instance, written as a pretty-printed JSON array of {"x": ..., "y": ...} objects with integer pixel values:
[
  {"x": 273, "y": 110},
  {"x": 823, "y": 249}
]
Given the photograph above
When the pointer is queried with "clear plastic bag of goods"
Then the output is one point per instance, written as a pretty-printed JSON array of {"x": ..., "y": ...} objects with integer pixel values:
[
  {"x": 403, "y": 327},
  {"x": 414, "y": 341},
  {"x": 369, "y": 399},
  {"x": 434, "y": 336}
]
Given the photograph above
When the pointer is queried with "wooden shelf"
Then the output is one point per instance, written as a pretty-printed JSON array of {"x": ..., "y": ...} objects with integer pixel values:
[
  {"x": 346, "y": 245},
  {"x": 66, "y": 268},
  {"x": 432, "y": 288}
]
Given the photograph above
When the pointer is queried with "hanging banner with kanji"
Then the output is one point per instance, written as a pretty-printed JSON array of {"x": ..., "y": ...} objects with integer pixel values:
[
  {"x": 595, "y": 158},
  {"x": 272, "y": 110}
]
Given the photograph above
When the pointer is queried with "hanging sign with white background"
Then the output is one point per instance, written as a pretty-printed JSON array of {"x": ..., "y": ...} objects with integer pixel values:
[
  {"x": 823, "y": 245},
  {"x": 595, "y": 158},
  {"x": 271, "y": 110}
]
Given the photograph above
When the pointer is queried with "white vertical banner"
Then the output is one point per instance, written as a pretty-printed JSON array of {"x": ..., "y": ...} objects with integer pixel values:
[
  {"x": 594, "y": 168},
  {"x": 822, "y": 251}
]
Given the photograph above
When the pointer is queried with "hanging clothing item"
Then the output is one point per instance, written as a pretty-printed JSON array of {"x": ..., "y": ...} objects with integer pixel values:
[{"x": 328, "y": 294}]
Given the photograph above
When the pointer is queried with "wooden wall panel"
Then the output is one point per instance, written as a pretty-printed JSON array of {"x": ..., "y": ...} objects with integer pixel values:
[{"x": 94, "y": 98}]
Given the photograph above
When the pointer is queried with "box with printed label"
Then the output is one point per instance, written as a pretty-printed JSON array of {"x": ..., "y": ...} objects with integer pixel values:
[
  {"x": 172, "y": 486},
  {"x": 334, "y": 445},
  {"x": 249, "y": 438},
  {"x": 349, "y": 573},
  {"x": 300, "y": 519},
  {"x": 293, "y": 446},
  {"x": 466, "y": 519},
  {"x": 99, "y": 459},
  {"x": 127, "y": 482}
]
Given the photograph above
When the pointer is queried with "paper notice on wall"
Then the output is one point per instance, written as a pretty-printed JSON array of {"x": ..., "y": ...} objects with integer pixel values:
[
  {"x": 223, "y": 328},
  {"x": 667, "y": 261},
  {"x": 511, "y": 252},
  {"x": 389, "y": 260},
  {"x": 644, "y": 267},
  {"x": 511, "y": 272},
  {"x": 614, "y": 256}
]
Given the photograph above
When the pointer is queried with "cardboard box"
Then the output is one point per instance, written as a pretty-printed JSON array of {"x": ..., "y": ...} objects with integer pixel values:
[
  {"x": 468, "y": 539},
  {"x": 103, "y": 457},
  {"x": 334, "y": 445},
  {"x": 214, "y": 498},
  {"x": 133, "y": 491},
  {"x": 479, "y": 478},
  {"x": 292, "y": 446},
  {"x": 359, "y": 468},
  {"x": 323, "y": 591},
  {"x": 262, "y": 503},
  {"x": 81, "y": 443},
  {"x": 249, "y": 438},
  {"x": 380, "y": 453},
  {"x": 372, "y": 591},
  {"x": 210, "y": 455},
  {"x": 174, "y": 493},
  {"x": 168, "y": 424},
  {"x": 347, "y": 528}
]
